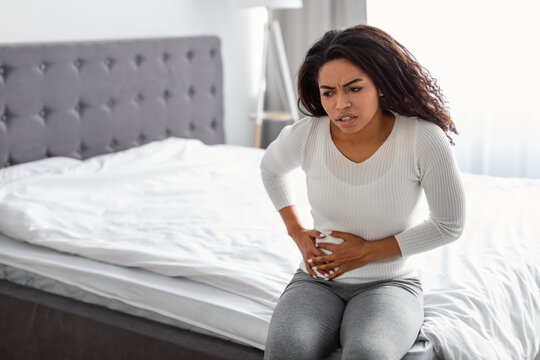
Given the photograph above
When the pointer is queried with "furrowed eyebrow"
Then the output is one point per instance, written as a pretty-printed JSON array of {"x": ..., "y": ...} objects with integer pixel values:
[{"x": 347, "y": 84}]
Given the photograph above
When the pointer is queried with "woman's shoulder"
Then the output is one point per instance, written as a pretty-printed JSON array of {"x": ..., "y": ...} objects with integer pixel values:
[
  {"x": 304, "y": 126},
  {"x": 425, "y": 136},
  {"x": 430, "y": 139},
  {"x": 429, "y": 132},
  {"x": 423, "y": 129}
]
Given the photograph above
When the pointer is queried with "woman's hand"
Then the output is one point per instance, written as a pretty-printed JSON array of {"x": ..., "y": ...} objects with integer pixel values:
[
  {"x": 353, "y": 253},
  {"x": 305, "y": 240}
]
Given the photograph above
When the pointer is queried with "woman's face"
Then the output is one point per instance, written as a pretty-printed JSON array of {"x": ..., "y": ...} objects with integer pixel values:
[{"x": 348, "y": 95}]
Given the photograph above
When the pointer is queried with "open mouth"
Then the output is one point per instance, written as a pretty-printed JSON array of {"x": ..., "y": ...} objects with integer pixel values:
[{"x": 345, "y": 119}]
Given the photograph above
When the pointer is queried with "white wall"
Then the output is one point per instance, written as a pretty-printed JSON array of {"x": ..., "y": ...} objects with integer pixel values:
[{"x": 239, "y": 30}]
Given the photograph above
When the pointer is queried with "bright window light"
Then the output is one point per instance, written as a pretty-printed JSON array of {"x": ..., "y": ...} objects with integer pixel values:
[{"x": 485, "y": 56}]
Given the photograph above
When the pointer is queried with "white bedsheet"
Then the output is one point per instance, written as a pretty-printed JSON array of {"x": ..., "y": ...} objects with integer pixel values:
[
  {"x": 174, "y": 207},
  {"x": 483, "y": 291},
  {"x": 482, "y": 297}
]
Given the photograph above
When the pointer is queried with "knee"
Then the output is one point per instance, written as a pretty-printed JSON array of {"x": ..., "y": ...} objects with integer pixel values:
[
  {"x": 368, "y": 351},
  {"x": 292, "y": 346}
]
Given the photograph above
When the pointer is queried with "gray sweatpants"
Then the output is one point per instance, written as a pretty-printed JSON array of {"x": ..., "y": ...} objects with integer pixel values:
[{"x": 314, "y": 318}]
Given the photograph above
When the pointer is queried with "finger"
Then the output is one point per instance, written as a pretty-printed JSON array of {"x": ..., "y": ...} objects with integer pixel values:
[
  {"x": 322, "y": 272},
  {"x": 311, "y": 261},
  {"x": 327, "y": 246},
  {"x": 315, "y": 252},
  {"x": 324, "y": 259},
  {"x": 315, "y": 267},
  {"x": 328, "y": 267},
  {"x": 317, "y": 234},
  {"x": 332, "y": 274},
  {"x": 309, "y": 269},
  {"x": 314, "y": 249},
  {"x": 339, "y": 234}
]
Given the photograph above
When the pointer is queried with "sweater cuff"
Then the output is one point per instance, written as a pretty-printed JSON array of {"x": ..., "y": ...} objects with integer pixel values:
[{"x": 420, "y": 238}]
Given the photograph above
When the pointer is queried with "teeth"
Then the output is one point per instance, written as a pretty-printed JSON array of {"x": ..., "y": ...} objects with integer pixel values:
[{"x": 346, "y": 118}]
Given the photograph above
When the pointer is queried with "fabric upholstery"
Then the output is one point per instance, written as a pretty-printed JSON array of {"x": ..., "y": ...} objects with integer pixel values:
[{"x": 89, "y": 98}]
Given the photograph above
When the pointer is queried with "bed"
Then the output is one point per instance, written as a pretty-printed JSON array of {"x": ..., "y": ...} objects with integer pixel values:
[{"x": 129, "y": 230}]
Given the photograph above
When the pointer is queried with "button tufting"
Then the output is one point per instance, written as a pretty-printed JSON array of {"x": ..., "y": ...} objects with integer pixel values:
[
  {"x": 191, "y": 91},
  {"x": 3, "y": 118},
  {"x": 166, "y": 95},
  {"x": 213, "y": 90},
  {"x": 111, "y": 103},
  {"x": 109, "y": 62},
  {"x": 113, "y": 143},
  {"x": 79, "y": 108},
  {"x": 7, "y": 163},
  {"x": 43, "y": 113},
  {"x": 42, "y": 66},
  {"x": 138, "y": 59},
  {"x": 78, "y": 63},
  {"x": 166, "y": 57},
  {"x": 213, "y": 124},
  {"x": 1, "y": 70},
  {"x": 139, "y": 98},
  {"x": 190, "y": 54},
  {"x": 212, "y": 52},
  {"x": 192, "y": 126},
  {"x": 142, "y": 137},
  {"x": 168, "y": 132}
]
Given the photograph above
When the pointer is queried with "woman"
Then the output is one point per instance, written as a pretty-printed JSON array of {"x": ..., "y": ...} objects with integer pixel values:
[{"x": 376, "y": 138}]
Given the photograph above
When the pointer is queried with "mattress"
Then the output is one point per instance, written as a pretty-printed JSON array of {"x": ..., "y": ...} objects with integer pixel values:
[
  {"x": 176, "y": 301},
  {"x": 179, "y": 302}
]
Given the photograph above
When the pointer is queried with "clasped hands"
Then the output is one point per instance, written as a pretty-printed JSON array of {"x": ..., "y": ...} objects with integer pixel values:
[{"x": 352, "y": 253}]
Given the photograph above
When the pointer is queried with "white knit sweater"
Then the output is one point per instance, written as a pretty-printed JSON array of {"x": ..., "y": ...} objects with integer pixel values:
[{"x": 376, "y": 198}]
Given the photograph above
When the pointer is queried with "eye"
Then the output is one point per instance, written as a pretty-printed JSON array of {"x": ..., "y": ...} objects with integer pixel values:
[
  {"x": 327, "y": 93},
  {"x": 355, "y": 89}
]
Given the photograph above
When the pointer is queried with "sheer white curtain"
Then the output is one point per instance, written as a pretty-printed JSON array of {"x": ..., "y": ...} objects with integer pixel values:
[{"x": 486, "y": 58}]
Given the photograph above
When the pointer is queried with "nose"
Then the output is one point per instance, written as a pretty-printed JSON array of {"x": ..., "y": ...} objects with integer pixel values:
[{"x": 342, "y": 101}]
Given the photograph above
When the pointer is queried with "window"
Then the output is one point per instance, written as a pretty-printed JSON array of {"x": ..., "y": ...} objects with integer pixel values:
[{"x": 486, "y": 58}]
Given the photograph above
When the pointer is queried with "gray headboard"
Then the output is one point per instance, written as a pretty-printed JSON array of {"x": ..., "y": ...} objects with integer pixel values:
[{"x": 82, "y": 99}]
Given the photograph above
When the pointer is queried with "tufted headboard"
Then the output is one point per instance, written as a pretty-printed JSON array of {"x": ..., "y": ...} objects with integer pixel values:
[{"x": 81, "y": 99}]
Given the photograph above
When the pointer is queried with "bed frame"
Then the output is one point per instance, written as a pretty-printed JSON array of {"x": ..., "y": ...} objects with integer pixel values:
[{"x": 84, "y": 99}]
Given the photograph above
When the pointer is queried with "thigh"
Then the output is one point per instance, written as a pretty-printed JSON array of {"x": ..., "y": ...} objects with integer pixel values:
[
  {"x": 383, "y": 321},
  {"x": 306, "y": 321}
]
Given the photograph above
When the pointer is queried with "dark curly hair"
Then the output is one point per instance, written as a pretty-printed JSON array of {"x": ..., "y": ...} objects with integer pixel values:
[{"x": 408, "y": 88}]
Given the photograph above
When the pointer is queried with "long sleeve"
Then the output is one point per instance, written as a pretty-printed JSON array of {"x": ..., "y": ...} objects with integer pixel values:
[
  {"x": 281, "y": 157},
  {"x": 439, "y": 177}
]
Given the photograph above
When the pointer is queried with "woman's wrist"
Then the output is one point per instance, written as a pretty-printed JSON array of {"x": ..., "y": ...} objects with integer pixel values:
[
  {"x": 291, "y": 220},
  {"x": 385, "y": 248}
]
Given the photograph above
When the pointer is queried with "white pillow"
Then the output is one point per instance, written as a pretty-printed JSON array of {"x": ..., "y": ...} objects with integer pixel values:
[{"x": 32, "y": 168}]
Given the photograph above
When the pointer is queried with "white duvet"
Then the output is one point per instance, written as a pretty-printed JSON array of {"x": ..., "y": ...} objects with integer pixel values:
[
  {"x": 175, "y": 207},
  {"x": 180, "y": 208}
]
